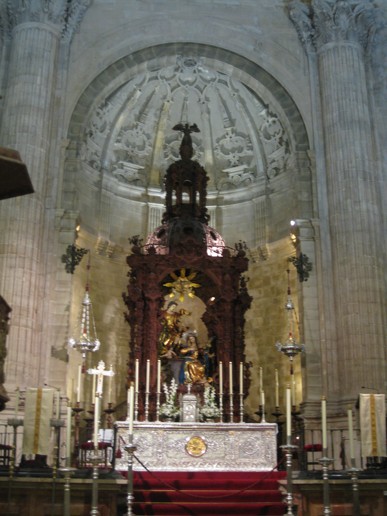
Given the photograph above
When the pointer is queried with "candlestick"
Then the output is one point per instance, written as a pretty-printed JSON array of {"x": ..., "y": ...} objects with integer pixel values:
[
  {"x": 79, "y": 383},
  {"x": 263, "y": 399},
  {"x": 350, "y": 431},
  {"x": 324, "y": 422},
  {"x": 158, "y": 375},
  {"x": 241, "y": 378},
  {"x": 230, "y": 370},
  {"x": 96, "y": 421},
  {"x": 147, "y": 375},
  {"x": 68, "y": 435},
  {"x": 131, "y": 408},
  {"x": 288, "y": 414},
  {"x": 260, "y": 379},
  {"x": 136, "y": 374},
  {"x": 220, "y": 378},
  {"x": 276, "y": 389}
]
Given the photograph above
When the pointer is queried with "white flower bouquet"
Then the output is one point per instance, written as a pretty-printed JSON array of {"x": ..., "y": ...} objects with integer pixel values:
[
  {"x": 209, "y": 408},
  {"x": 168, "y": 409}
]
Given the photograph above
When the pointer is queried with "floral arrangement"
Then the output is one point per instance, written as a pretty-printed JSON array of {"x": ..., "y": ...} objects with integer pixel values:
[
  {"x": 168, "y": 409},
  {"x": 209, "y": 408}
]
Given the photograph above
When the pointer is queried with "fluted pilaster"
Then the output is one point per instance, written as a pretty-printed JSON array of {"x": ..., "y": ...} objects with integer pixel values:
[
  {"x": 34, "y": 29},
  {"x": 338, "y": 31}
]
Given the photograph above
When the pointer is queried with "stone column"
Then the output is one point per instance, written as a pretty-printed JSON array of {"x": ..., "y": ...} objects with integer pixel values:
[
  {"x": 338, "y": 31},
  {"x": 36, "y": 29}
]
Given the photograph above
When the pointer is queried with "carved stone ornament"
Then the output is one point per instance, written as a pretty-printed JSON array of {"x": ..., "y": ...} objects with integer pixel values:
[
  {"x": 326, "y": 21},
  {"x": 66, "y": 14}
]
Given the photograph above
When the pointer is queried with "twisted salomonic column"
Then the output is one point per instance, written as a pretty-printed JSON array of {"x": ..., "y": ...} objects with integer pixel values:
[
  {"x": 339, "y": 31},
  {"x": 32, "y": 31}
]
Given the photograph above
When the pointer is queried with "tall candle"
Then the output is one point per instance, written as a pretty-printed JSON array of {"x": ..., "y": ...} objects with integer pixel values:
[
  {"x": 96, "y": 421},
  {"x": 220, "y": 378},
  {"x": 350, "y": 432},
  {"x": 324, "y": 422},
  {"x": 288, "y": 414},
  {"x": 131, "y": 408},
  {"x": 276, "y": 389},
  {"x": 79, "y": 383},
  {"x": 136, "y": 374},
  {"x": 260, "y": 379},
  {"x": 158, "y": 375},
  {"x": 230, "y": 373},
  {"x": 147, "y": 375},
  {"x": 241, "y": 377},
  {"x": 68, "y": 435}
]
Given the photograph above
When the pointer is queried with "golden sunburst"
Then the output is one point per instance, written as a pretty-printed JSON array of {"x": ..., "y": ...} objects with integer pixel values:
[{"x": 182, "y": 285}]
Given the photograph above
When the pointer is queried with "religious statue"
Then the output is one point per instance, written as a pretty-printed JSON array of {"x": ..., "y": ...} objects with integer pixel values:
[
  {"x": 193, "y": 369},
  {"x": 171, "y": 330}
]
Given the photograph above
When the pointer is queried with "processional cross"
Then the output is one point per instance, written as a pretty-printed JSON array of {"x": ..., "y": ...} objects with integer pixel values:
[{"x": 100, "y": 372}]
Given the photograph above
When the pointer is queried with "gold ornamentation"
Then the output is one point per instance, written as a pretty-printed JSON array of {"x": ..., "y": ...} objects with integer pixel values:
[
  {"x": 182, "y": 285},
  {"x": 196, "y": 446}
]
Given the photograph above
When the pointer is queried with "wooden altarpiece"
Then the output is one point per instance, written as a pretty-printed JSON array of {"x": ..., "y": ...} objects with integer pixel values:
[{"x": 185, "y": 242}]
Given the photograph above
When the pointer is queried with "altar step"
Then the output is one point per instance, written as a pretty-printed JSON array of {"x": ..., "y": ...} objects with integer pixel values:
[{"x": 208, "y": 493}]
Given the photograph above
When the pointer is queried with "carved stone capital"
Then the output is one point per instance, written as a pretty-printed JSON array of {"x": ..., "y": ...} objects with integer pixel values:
[
  {"x": 333, "y": 21},
  {"x": 66, "y": 15}
]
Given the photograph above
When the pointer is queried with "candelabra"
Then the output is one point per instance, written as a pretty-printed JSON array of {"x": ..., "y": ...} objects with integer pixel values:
[
  {"x": 241, "y": 408},
  {"x": 354, "y": 473},
  {"x": 325, "y": 463},
  {"x": 67, "y": 472},
  {"x": 95, "y": 460},
  {"x": 231, "y": 408},
  {"x": 130, "y": 449},
  {"x": 289, "y": 449},
  {"x": 221, "y": 406}
]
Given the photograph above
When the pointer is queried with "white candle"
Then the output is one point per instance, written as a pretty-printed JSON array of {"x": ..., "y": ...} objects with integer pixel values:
[
  {"x": 158, "y": 375},
  {"x": 96, "y": 421},
  {"x": 230, "y": 374},
  {"x": 68, "y": 435},
  {"x": 110, "y": 386},
  {"x": 220, "y": 378},
  {"x": 17, "y": 401},
  {"x": 93, "y": 388},
  {"x": 260, "y": 379},
  {"x": 131, "y": 408},
  {"x": 241, "y": 377},
  {"x": 147, "y": 375},
  {"x": 57, "y": 401},
  {"x": 276, "y": 389},
  {"x": 136, "y": 375},
  {"x": 288, "y": 414},
  {"x": 79, "y": 383},
  {"x": 263, "y": 399},
  {"x": 350, "y": 432},
  {"x": 324, "y": 422}
]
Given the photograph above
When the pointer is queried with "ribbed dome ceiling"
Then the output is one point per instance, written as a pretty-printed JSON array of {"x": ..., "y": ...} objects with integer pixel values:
[{"x": 130, "y": 133}]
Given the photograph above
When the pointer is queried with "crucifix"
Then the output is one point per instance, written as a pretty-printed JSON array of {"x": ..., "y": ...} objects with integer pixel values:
[{"x": 100, "y": 372}]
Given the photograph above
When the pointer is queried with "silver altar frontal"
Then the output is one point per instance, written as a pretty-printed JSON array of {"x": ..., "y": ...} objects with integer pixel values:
[{"x": 199, "y": 446}]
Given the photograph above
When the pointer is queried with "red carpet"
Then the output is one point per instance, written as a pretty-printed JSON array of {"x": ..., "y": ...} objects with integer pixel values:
[{"x": 208, "y": 493}]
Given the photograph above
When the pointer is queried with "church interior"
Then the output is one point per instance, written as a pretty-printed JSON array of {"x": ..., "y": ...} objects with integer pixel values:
[{"x": 192, "y": 257}]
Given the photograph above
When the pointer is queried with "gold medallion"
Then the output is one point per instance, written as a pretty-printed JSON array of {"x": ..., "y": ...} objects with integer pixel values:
[{"x": 196, "y": 446}]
